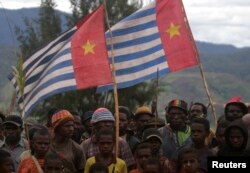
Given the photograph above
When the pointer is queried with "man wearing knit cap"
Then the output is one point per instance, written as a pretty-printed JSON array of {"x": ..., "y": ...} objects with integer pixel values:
[
  {"x": 235, "y": 109},
  {"x": 71, "y": 153},
  {"x": 176, "y": 133},
  {"x": 102, "y": 118}
]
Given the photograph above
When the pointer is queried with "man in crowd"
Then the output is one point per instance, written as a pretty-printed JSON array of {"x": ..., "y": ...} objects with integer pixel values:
[
  {"x": 71, "y": 153},
  {"x": 102, "y": 118},
  {"x": 143, "y": 116},
  {"x": 14, "y": 143},
  {"x": 235, "y": 109},
  {"x": 176, "y": 133}
]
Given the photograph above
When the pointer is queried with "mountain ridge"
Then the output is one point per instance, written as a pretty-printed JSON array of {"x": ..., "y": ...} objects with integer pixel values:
[
  {"x": 12, "y": 18},
  {"x": 226, "y": 68}
]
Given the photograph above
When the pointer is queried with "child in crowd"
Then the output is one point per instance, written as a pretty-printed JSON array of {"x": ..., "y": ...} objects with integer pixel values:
[
  {"x": 39, "y": 147},
  {"x": 153, "y": 137},
  {"x": 98, "y": 168},
  {"x": 236, "y": 136},
  {"x": 31, "y": 132},
  {"x": 53, "y": 163},
  {"x": 106, "y": 142},
  {"x": 142, "y": 153},
  {"x": 151, "y": 166},
  {"x": 200, "y": 128},
  {"x": 188, "y": 161},
  {"x": 220, "y": 136},
  {"x": 6, "y": 163}
]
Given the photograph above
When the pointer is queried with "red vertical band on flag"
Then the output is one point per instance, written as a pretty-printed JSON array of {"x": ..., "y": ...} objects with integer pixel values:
[
  {"x": 89, "y": 52},
  {"x": 175, "y": 35}
]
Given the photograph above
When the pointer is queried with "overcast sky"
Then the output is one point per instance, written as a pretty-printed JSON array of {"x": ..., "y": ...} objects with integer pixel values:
[{"x": 216, "y": 21}]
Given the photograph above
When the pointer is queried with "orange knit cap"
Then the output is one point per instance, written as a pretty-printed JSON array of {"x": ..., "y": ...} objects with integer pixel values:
[{"x": 61, "y": 117}]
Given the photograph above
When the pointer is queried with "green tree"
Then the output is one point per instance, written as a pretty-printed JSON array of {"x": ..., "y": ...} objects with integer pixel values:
[
  {"x": 117, "y": 9},
  {"x": 39, "y": 31},
  {"x": 49, "y": 21},
  {"x": 28, "y": 38}
]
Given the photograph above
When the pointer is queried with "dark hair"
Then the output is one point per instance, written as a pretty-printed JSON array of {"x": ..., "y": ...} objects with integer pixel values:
[
  {"x": 2, "y": 116},
  {"x": 74, "y": 113},
  {"x": 50, "y": 113},
  {"x": 42, "y": 131},
  {"x": 126, "y": 111},
  {"x": 3, "y": 155},
  {"x": 37, "y": 130},
  {"x": 33, "y": 129},
  {"x": 187, "y": 150},
  {"x": 152, "y": 161},
  {"x": 98, "y": 167},
  {"x": 105, "y": 131},
  {"x": 204, "y": 108},
  {"x": 203, "y": 121},
  {"x": 222, "y": 124},
  {"x": 86, "y": 116}
]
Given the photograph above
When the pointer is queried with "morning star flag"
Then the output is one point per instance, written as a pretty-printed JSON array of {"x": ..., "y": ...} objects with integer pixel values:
[
  {"x": 154, "y": 38},
  {"x": 77, "y": 59}
]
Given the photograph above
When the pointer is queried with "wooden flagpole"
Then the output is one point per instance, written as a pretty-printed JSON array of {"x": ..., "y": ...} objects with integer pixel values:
[
  {"x": 114, "y": 84},
  {"x": 157, "y": 91},
  {"x": 12, "y": 103},
  {"x": 200, "y": 68}
]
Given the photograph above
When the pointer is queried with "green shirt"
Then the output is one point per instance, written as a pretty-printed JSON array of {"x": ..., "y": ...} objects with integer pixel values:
[{"x": 182, "y": 136}]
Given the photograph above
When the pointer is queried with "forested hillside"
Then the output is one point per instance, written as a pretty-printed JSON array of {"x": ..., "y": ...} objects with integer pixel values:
[{"x": 226, "y": 69}]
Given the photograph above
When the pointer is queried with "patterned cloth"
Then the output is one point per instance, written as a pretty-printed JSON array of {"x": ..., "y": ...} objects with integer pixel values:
[
  {"x": 177, "y": 103},
  {"x": 61, "y": 117},
  {"x": 30, "y": 164},
  {"x": 102, "y": 114}
]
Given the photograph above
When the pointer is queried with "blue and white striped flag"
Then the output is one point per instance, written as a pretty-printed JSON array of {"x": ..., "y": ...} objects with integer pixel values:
[
  {"x": 45, "y": 73},
  {"x": 137, "y": 48},
  {"x": 154, "y": 39},
  {"x": 77, "y": 59}
]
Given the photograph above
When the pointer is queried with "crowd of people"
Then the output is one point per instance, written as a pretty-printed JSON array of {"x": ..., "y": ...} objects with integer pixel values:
[{"x": 73, "y": 143}]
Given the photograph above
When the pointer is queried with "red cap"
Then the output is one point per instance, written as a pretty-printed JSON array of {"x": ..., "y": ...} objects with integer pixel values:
[{"x": 237, "y": 100}]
